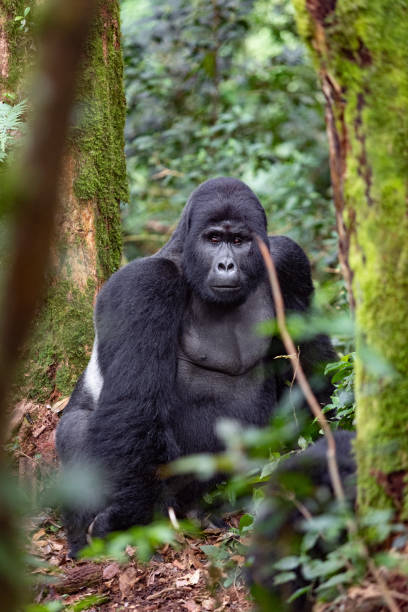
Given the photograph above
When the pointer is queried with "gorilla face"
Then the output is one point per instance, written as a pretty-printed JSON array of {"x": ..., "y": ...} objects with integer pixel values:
[{"x": 221, "y": 260}]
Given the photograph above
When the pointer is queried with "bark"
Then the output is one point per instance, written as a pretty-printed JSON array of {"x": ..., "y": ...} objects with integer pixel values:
[
  {"x": 87, "y": 248},
  {"x": 361, "y": 54}
]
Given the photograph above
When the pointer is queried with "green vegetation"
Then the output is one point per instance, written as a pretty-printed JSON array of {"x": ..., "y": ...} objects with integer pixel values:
[{"x": 225, "y": 91}]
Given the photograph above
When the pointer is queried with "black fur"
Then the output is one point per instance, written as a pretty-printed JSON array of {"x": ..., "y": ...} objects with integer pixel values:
[{"x": 155, "y": 319}]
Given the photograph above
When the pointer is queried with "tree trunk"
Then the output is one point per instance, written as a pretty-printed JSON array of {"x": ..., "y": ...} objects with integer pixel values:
[
  {"x": 88, "y": 246},
  {"x": 361, "y": 52}
]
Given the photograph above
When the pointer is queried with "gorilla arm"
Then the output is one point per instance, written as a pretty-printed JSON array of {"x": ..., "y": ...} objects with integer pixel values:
[
  {"x": 137, "y": 320},
  {"x": 294, "y": 273}
]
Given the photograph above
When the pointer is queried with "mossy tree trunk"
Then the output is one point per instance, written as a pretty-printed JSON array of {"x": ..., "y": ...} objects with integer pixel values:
[
  {"x": 88, "y": 246},
  {"x": 361, "y": 52}
]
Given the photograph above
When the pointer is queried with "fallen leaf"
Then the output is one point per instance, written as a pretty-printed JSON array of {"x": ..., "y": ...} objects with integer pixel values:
[
  {"x": 111, "y": 571},
  {"x": 127, "y": 581},
  {"x": 208, "y": 604},
  {"x": 239, "y": 559},
  {"x": 38, "y": 535},
  {"x": 39, "y": 431},
  {"x": 54, "y": 560},
  {"x": 60, "y": 405},
  {"x": 179, "y": 564},
  {"x": 191, "y": 606}
]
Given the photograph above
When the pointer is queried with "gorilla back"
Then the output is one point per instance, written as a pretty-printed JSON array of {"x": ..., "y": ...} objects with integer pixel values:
[{"x": 175, "y": 349}]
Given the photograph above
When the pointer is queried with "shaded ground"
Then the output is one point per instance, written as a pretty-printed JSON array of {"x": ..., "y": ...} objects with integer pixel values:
[{"x": 174, "y": 580}]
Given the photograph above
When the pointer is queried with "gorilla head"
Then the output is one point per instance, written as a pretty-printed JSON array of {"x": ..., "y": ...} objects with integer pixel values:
[{"x": 220, "y": 260}]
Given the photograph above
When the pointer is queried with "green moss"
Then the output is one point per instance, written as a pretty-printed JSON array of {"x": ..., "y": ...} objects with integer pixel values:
[
  {"x": 63, "y": 333},
  {"x": 18, "y": 43},
  {"x": 60, "y": 344},
  {"x": 98, "y": 138},
  {"x": 361, "y": 47}
]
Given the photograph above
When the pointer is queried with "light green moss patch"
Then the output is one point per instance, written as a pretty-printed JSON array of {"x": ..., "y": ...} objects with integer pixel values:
[
  {"x": 361, "y": 47},
  {"x": 60, "y": 344},
  {"x": 63, "y": 332},
  {"x": 98, "y": 138}
]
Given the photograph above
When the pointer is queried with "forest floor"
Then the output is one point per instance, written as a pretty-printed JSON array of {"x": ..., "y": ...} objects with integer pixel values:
[{"x": 175, "y": 579}]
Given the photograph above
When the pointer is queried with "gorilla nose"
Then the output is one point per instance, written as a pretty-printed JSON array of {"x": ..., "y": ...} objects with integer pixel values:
[
  {"x": 226, "y": 265},
  {"x": 225, "y": 273}
]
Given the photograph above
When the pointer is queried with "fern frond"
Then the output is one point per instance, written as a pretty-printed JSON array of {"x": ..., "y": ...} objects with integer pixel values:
[{"x": 10, "y": 121}]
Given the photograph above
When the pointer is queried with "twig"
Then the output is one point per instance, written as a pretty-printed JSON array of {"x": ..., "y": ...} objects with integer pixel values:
[
  {"x": 299, "y": 373},
  {"x": 317, "y": 412},
  {"x": 385, "y": 591}
]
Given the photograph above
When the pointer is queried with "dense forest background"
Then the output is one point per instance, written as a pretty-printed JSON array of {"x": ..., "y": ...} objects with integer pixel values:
[{"x": 227, "y": 89}]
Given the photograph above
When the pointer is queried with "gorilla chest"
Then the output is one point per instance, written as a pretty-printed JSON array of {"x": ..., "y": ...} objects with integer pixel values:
[{"x": 223, "y": 341}]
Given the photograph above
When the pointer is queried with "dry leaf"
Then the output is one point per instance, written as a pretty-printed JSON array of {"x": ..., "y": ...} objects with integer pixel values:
[
  {"x": 127, "y": 581},
  {"x": 208, "y": 604},
  {"x": 188, "y": 579},
  {"x": 239, "y": 559},
  {"x": 179, "y": 564},
  {"x": 60, "y": 405},
  {"x": 39, "y": 431},
  {"x": 191, "y": 606},
  {"x": 111, "y": 571},
  {"x": 38, "y": 535}
]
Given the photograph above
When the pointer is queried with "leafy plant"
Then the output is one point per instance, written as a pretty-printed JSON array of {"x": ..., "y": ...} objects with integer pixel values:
[
  {"x": 146, "y": 539},
  {"x": 343, "y": 403},
  {"x": 10, "y": 122},
  {"x": 22, "y": 20}
]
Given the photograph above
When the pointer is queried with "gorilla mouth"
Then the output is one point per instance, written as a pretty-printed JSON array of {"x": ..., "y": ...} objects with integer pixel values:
[{"x": 228, "y": 287}]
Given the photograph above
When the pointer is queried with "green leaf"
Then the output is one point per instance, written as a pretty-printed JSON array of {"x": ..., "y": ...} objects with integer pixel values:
[
  {"x": 288, "y": 563},
  {"x": 343, "y": 578},
  {"x": 245, "y": 522},
  {"x": 284, "y": 577},
  {"x": 88, "y": 602},
  {"x": 299, "y": 593},
  {"x": 317, "y": 569}
]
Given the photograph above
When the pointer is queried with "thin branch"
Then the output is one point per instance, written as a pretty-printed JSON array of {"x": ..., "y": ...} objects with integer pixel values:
[
  {"x": 318, "y": 413},
  {"x": 299, "y": 373}
]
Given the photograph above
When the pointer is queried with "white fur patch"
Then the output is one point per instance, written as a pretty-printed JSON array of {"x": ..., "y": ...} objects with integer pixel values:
[{"x": 93, "y": 376}]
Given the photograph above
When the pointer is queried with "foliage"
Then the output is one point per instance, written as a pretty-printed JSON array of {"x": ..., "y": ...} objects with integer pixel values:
[
  {"x": 225, "y": 88},
  {"x": 343, "y": 402},
  {"x": 23, "y": 19},
  {"x": 84, "y": 603},
  {"x": 11, "y": 122},
  {"x": 346, "y": 558},
  {"x": 146, "y": 539}
]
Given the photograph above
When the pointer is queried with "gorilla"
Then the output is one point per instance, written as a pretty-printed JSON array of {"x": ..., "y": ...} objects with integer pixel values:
[{"x": 176, "y": 349}]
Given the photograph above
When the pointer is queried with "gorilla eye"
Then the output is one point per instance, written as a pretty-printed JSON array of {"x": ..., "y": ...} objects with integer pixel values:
[
  {"x": 214, "y": 238},
  {"x": 237, "y": 240}
]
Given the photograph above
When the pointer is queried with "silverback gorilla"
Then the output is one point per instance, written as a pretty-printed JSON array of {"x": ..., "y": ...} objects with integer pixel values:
[{"x": 175, "y": 349}]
